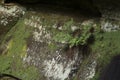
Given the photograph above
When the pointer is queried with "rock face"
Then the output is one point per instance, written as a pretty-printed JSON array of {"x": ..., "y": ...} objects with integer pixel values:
[
  {"x": 9, "y": 15},
  {"x": 31, "y": 44},
  {"x": 45, "y": 53},
  {"x": 37, "y": 44}
]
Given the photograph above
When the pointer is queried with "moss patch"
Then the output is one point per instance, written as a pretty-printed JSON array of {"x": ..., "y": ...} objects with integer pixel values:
[
  {"x": 106, "y": 46},
  {"x": 12, "y": 63}
]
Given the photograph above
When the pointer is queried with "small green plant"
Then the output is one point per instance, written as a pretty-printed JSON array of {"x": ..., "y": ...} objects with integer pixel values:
[
  {"x": 82, "y": 39},
  {"x": 68, "y": 36}
]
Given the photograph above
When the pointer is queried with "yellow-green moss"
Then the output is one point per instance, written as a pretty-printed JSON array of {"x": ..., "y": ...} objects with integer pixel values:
[
  {"x": 106, "y": 47},
  {"x": 12, "y": 62}
]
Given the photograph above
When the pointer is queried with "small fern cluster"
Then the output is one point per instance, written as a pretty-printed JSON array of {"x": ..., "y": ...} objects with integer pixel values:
[{"x": 73, "y": 38}]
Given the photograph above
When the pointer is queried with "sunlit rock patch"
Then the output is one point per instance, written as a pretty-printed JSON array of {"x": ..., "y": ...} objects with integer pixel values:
[
  {"x": 10, "y": 13},
  {"x": 59, "y": 68},
  {"x": 91, "y": 70},
  {"x": 52, "y": 64},
  {"x": 110, "y": 25},
  {"x": 40, "y": 33}
]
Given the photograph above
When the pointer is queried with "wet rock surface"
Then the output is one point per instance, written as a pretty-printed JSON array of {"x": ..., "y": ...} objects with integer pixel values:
[{"x": 50, "y": 57}]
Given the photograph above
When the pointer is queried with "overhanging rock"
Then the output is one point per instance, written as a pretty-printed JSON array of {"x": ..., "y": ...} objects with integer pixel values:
[{"x": 85, "y": 6}]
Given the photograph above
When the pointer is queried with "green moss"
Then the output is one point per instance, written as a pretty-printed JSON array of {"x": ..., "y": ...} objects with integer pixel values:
[
  {"x": 73, "y": 38},
  {"x": 52, "y": 46},
  {"x": 106, "y": 46},
  {"x": 96, "y": 76},
  {"x": 12, "y": 63}
]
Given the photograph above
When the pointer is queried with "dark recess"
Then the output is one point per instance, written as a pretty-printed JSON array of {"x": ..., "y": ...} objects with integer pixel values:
[
  {"x": 112, "y": 71},
  {"x": 83, "y": 6},
  {"x": 10, "y": 76}
]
